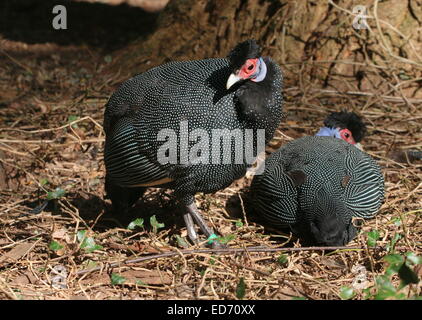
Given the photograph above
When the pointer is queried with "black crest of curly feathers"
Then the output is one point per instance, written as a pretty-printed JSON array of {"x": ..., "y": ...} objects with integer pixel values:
[
  {"x": 245, "y": 50},
  {"x": 349, "y": 120}
]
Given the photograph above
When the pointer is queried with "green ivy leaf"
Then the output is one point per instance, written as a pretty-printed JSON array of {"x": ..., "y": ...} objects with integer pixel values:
[
  {"x": 393, "y": 242},
  {"x": 117, "y": 279},
  {"x": 54, "y": 245},
  {"x": 403, "y": 76},
  {"x": 373, "y": 236},
  {"x": 181, "y": 242},
  {"x": 407, "y": 276},
  {"x": 282, "y": 259},
  {"x": 136, "y": 223},
  {"x": 108, "y": 58},
  {"x": 155, "y": 224},
  {"x": 43, "y": 182},
  {"x": 397, "y": 222},
  {"x": 227, "y": 238},
  {"x": 92, "y": 248},
  {"x": 412, "y": 258},
  {"x": 395, "y": 261},
  {"x": 72, "y": 118},
  {"x": 385, "y": 288},
  {"x": 346, "y": 293},
  {"x": 241, "y": 289},
  {"x": 239, "y": 223},
  {"x": 87, "y": 243},
  {"x": 81, "y": 235},
  {"x": 56, "y": 194},
  {"x": 88, "y": 264}
]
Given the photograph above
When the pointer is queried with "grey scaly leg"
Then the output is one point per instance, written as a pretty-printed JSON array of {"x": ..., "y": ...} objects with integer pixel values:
[
  {"x": 193, "y": 236},
  {"x": 196, "y": 215}
]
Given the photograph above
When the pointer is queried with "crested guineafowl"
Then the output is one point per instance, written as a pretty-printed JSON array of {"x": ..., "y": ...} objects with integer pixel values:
[
  {"x": 316, "y": 184},
  {"x": 344, "y": 125},
  {"x": 164, "y": 127}
]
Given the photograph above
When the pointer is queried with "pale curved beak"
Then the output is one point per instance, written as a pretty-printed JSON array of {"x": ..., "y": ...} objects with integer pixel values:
[{"x": 232, "y": 80}]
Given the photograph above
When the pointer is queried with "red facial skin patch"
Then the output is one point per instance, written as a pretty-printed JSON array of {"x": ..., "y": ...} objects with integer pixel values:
[
  {"x": 347, "y": 136},
  {"x": 248, "y": 69}
]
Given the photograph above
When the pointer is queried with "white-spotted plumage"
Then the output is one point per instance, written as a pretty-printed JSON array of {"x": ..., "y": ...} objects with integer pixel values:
[
  {"x": 192, "y": 93},
  {"x": 340, "y": 181},
  {"x": 163, "y": 97}
]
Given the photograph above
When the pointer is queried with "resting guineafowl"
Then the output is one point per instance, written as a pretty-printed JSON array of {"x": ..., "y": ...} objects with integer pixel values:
[
  {"x": 317, "y": 184},
  {"x": 153, "y": 121},
  {"x": 344, "y": 125}
]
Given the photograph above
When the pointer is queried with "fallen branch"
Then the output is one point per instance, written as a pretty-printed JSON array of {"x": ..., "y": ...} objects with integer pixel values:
[
  {"x": 362, "y": 94},
  {"x": 219, "y": 251}
]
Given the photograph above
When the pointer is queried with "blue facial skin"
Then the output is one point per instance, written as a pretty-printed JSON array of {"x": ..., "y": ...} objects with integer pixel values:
[
  {"x": 262, "y": 72},
  {"x": 328, "y": 132}
]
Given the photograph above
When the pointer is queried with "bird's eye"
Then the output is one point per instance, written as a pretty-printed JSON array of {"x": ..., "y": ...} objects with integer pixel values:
[
  {"x": 347, "y": 136},
  {"x": 248, "y": 68}
]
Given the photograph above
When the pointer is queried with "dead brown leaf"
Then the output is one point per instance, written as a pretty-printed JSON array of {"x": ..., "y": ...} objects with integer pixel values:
[
  {"x": 17, "y": 252},
  {"x": 25, "y": 278}
]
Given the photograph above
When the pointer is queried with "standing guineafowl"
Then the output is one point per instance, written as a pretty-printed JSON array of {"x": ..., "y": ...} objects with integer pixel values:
[
  {"x": 153, "y": 122},
  {"x": 317, "y": 184}
]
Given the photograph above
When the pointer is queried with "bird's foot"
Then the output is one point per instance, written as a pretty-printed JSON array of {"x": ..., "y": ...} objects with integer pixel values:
[
  {"x": 196, "y": 215},
  {"x": 193, "y": 236},
  {"x": 193, "y": 215}
]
